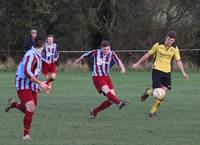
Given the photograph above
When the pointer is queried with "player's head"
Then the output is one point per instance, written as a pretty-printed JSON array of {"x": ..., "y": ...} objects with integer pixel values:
[
  {"x": 170, "y": 38},
  {"x": 39, "y": 41},
  {"x": 33, "y": 33},
  {"x": 50, "y": 39},
  {"x": 105, "y": 46}
]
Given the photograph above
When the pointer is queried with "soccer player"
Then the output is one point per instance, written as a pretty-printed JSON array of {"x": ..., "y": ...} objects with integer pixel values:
[
  {"x": 103, "y": 59},
  {"x": 27, "y": 84},
  {"x": 164, "y": 53},
  {"x": 50, "y": 56}
]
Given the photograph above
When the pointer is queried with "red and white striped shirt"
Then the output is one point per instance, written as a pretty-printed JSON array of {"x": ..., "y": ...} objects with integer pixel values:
[
  {"x": 50, "y": 53},
  {"x": 102, "y": 62},
  {"x": 29, "y": 66}
]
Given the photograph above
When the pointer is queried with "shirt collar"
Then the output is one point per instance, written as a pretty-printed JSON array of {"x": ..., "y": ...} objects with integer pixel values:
[{"x": 36, "y": 51}]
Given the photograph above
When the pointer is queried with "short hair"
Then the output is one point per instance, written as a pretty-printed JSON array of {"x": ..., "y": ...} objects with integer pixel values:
[
  {"x": 105, "y": 43},
  {"x": 39, "y": 41},
  {"x": 171, "y": 34},
  {"x": 50, "y": 35}
]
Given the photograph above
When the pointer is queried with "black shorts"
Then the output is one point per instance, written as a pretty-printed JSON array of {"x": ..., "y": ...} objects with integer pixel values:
[{"x": 160, "y": 79}]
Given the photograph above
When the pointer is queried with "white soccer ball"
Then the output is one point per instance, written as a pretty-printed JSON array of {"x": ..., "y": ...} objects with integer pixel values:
[{"x": 159, "y": 93}]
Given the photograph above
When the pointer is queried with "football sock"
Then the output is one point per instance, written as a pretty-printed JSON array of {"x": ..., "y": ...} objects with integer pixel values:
[
  {"x": 27, "y": 122},
  {"x": 102, "y": 106},
  {"x": 20, "y": 107},
  {"x": 155, "y": 106},
  {"x": 113, "y": 98},
  {"x": 149, "y": 92}
]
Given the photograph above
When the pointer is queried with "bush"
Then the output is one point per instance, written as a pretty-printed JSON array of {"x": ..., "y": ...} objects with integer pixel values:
[
  {"x": 9, "y": 64},
  {"x": 70, "y": 65}
]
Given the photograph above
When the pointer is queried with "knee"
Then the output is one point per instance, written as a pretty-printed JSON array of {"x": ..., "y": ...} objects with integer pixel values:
[
  {"x": 30, "y": 106},
  {"x": 112, "y": 91},
  {"x": 105, "y": 89},
  {"x": 53, "y": 76}
]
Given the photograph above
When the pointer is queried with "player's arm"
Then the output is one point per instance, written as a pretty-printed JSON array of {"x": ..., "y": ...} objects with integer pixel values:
[
  {"x": 180, "y": 64},
  {"x": 29, "y": 64},
  {"x": 119, "y": 62},
  {"x": 141, "y": 60},
  {"x": 43, "y": 58},
  {"x": 56, "y": 55},
  {"x": 181, "y": 68},
  {"x": 87, "y": 54},
  {"x": 146, "y": 56},
  {"x": 122, "y": 68}
]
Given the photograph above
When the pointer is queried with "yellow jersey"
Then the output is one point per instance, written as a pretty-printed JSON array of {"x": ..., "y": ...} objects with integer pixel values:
[{"x": 163, "y": 56}]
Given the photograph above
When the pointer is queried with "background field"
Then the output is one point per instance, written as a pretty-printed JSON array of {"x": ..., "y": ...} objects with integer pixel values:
[{"x": 62, "y": 118}]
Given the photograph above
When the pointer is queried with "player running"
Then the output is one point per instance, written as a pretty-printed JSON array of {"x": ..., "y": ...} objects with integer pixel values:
[
  {"x": 27, "y": 84},
  {"x": 164, "y": 53},
  {"x": 50, "y": 56},
  {"x": 103, "y": 59}
]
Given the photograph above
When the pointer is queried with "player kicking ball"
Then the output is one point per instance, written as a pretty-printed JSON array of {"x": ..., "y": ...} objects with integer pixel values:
[
  {"x": 103, "y": 59},
  {"x": 164, "y": 52},
  {"x": 27, "y": 84}
]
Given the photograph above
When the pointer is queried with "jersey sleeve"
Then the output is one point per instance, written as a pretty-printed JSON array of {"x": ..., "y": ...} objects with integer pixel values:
[
  {"x": 115, "y": 59},
  {"x": 153, "y": 49},
  {"x": 56, "y": 56},
  {"x": 177, "y": 54},
  {"x": 43, "y": 54},
  {"x": 29, "y": 65}
]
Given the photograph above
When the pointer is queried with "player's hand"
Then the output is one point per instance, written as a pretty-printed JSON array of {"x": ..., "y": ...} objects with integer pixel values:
[
  {"x": 185, "y": 76},
  {"x": 48, "y": 62},
  {"x": 135, "y": 66},
  {"x": 77, "y": 61},
  {"x": 40, "y": 89},
  {"x": 54, "y": 60},
  {"x": 44, "y": 86},
  {"x": 123, "y": 70}
]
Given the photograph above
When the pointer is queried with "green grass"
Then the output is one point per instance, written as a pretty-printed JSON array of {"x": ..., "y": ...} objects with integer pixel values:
[{"x": 62, "y": 117}]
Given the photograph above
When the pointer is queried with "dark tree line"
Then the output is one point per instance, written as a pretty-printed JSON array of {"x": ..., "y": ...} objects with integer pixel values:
[{"x": 82, "y": 24}]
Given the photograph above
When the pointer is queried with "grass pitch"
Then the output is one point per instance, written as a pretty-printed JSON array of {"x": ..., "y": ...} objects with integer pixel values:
[{"x": 62, "y": 117}]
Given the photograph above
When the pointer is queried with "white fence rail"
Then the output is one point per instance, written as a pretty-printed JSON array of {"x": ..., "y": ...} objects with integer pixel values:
[{"x": 120, "y": 51}]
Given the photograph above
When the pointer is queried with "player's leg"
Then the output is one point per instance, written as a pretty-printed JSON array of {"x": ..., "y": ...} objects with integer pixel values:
[
  {"x": 99, "y": 83},
  {"x": 111, "y": 90},
  {"x": 52, "y": 75},
  {"x": 53, "y": 71},
  {"x": 158, "y": 101},
  {"x": 162, "y": 81},
  {"x": 111, "y": 96},
  {"x": 30, "y": 108},
  {"x": 30, "y": 99},
  {"x": 123, "y": 103},
  {"x": 105, "y": 104},
  {"x": 51, "y": 79},
  {"x": 101, "y": 107},
  {"x": 45, "y": 70},
  {"x": 148, "y": 92},
  {"x": 13, "y": 104}
]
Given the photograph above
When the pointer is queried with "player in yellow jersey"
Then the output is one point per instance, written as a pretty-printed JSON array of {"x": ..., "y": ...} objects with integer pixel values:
[{"x": 164, "y": 53}]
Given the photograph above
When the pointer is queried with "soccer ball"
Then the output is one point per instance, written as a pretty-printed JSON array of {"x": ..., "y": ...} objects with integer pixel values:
[{"x": 159, "y": 93}]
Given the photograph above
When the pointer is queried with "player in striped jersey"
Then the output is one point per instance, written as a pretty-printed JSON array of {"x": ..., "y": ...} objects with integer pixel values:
[
  {"x": 27, "y": 84},
  {"x": 50, "y": 56},
  {"x": 103, "y": 59}
]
